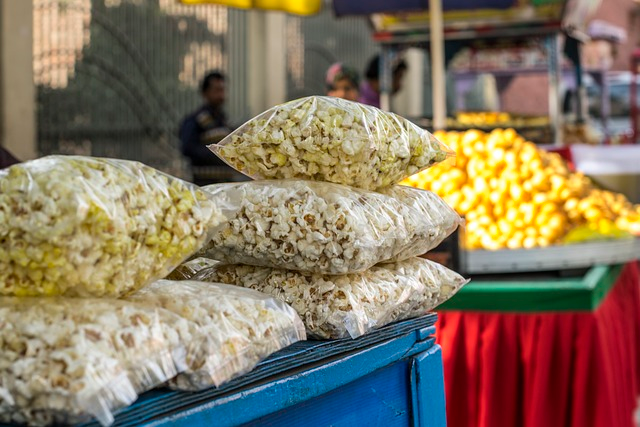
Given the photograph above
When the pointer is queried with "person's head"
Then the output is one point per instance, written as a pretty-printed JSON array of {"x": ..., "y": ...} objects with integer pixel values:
[
  {"x": 213, "y": 89},
  {"x": 372, "y": 73},
  {"x": 342, "y": 82}
]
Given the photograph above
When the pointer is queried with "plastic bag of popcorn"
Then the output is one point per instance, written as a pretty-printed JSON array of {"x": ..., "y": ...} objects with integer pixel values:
[
  {"x": 188, "y": 269},
  {"x": 436, "y": 221},
  {"x": 66, "y": 360},
  {"x": 330, "y": 139},
  {"x": 238, "y": 328},
  {"x": 321, "y": 227},
  {"x": 352, "y": 304},
  {"x": 83, "y": 226}
]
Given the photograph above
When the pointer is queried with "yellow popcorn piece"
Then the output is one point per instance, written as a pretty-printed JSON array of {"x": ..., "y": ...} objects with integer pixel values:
[{"x": 83, "y": 226}]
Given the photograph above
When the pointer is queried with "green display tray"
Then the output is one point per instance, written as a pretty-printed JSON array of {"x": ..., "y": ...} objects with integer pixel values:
[{"x": 535, "y": 292}]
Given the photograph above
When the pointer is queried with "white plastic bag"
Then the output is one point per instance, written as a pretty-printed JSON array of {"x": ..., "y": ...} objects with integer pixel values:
[
  {"x": 434, "y": 223},
  {"x": 188, "y": 269},
  {"x": 83, "y": 226},
  {"x": 330, "y": 139},
  {"x": 65, "y": 360},
  {"x": 237, "y": 328},
  {"x": 352, "y": 304},
  {"x": 321, "y": 227}
]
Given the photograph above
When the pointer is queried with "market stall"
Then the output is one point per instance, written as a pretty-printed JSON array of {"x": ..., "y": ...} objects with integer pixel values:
[
  {"x": 530, "y": 341},
  {"x": 319, "y": 383},
  {"x": 500, "y": 38},
  {"x": 265, "y": 301},
  {"x": 538, "y": 349}
]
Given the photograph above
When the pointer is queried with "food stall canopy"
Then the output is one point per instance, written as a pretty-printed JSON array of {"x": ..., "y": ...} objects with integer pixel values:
[
  {"x": 355, "y": 7},
  {"x": 296, "y": 7},
  {"x": 483, "y": 16}
]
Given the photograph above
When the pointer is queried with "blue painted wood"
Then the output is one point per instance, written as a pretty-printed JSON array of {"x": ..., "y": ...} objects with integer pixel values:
[
  {"x": 247, "y": 405},
  {"x": 380, "y": 399},
  {"x": 309, "y": 376},
  {"x": 159, "y": 403},
  {"x": 428, "y": 384},
  {"x": 425, "y": 333}
]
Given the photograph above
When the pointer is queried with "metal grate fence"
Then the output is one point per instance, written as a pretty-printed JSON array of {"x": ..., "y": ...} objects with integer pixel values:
[
  {"x": 115, "y": 77},
  {"x": 316, "y": 42}
]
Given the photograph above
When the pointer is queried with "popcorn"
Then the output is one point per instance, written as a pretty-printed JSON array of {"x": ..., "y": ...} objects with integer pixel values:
[
  {"x": 63, "y": 361},
  {"x": 330, "y": 139},
  {"x": 238, "y": 328},
  {"x": 321, "y": 227},
  {"x": 82, "y": 226},
  {"x": 353, "y": 304},
  {"x": 436, "y": 221},
  {"x": 187, "y": 270}
]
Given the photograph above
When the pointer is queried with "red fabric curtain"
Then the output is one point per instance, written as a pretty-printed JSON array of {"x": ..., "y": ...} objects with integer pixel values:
[{"x": 548, "y": 369}]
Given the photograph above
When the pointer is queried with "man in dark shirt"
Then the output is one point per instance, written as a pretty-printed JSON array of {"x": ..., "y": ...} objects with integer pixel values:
[{"x": 208, "y": 125}]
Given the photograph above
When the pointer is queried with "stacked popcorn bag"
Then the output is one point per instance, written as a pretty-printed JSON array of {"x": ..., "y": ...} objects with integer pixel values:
[
  {"x": 85, "y": 324},
  {"x": 116, "y": 278},
  {"x": 323, "y": 227}
]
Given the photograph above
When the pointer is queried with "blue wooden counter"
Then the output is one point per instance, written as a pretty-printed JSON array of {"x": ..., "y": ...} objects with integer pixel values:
[{"x": 390, "y": 377}]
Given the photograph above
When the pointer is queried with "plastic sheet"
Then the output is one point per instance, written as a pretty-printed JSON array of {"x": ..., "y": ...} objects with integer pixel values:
[
  {"x": 188, "y": 269},
  {"x": 353, "y": 304},
  {"x": 65, "y": 360},
  {"x": 238, "y": 328},
  {"x": 330, "y": 139},
  {"x": 320, "y": 227},
  {"x": 435, "y": 222},
  {"x": 82, "y": 226}
]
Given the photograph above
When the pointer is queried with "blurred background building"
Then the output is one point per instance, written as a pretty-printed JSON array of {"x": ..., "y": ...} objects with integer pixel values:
[{"x": 114, "y": 77}]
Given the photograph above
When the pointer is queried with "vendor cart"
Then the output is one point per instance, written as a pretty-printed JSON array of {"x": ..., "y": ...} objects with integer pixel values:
[
  {"x": 544, "y": 349},
  {"x": 548, "y": 23},
  {"x": 390, "y": 377}
]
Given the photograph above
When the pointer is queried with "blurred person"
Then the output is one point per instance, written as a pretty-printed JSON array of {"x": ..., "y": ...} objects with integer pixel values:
[
  {"x": 6, "y": 158},
  {"x": 207, "y": 125},
  {"x": 342, "y": 82},
  {"x": 370, "y": 88}
]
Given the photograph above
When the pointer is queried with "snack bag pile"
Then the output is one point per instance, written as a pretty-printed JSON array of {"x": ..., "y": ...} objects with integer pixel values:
[
  {"x": 325, "y": 227},
  {"x": 116, "y": 278}
]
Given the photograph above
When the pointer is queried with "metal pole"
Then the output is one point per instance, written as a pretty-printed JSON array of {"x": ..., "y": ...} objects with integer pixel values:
[
  {"x": 555, "y": 110},
  {"x": 635, "y": 71},
  {"x": 386, "y": 59},
  {"x": 606, "y": 105},
  {"x": 438, "y": 81}
]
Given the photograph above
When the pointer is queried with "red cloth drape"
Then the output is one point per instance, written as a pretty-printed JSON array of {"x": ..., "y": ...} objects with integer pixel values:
[{"x": 575, "y": 369}]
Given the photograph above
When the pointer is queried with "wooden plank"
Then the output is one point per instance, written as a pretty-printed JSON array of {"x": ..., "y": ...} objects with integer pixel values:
[
  {"x": 380, "y": 399},
  {"x": 429, "y": 399},
  {"x": 293, "y": 388}
]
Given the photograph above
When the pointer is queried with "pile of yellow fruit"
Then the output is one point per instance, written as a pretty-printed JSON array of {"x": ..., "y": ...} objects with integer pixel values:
[{"x": 514, "y": 195}]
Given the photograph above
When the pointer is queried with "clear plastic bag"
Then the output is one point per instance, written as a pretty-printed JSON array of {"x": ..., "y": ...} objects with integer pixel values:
[
  {"x": 65, "y": 360},
  {"x": 83, "y": 226},
  {"x": 187, "y": 270},
  {"x": 317, "y": 227},
  {"x": 330, "y": 139},
  {"x": 352, "y": 304},
  {"x": 436, "y": 221},
  {"x": 237, "y": 328}
]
